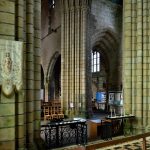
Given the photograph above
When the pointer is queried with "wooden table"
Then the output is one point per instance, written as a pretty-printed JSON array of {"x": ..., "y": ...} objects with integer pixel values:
[{"x": 93, "y": 126}]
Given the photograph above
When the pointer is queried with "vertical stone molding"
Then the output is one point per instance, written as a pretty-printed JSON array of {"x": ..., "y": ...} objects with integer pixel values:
[
  {"x": 46, "y": 91},
  {"x": 136, "y": 60},
  {"x": 37, "y": 68},
  {"x": 30, "y": 72},
  {"x": 20, "y": 103},
  {"x": 74, "y": 51}
]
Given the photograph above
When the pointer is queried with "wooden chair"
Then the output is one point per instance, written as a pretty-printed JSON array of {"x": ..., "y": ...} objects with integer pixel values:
[
  {"x": 47, "y": 115},
  {"x": 60, "y": 113},
  {"x": 53, "y": 113}
]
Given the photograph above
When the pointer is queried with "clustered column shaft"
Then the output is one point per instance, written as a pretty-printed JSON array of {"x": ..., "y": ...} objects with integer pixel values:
[
  {"x": 74, "y": 49},
  {"x": 136, "y": 59}
]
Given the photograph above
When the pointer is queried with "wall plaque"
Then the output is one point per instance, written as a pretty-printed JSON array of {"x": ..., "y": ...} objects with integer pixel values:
[{"x": 11, "y": 66}]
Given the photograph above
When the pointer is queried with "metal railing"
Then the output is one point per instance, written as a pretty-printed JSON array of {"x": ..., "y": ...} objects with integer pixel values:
[{"x": 64, "y": 133}]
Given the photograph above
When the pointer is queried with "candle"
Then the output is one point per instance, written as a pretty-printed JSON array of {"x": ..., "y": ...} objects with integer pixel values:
[
  {"x": 124, "y": 112},
  {"x": 121, "y": 111},
  {"x": 114, "y": 112},
  {"x": 111, "y": 112}
]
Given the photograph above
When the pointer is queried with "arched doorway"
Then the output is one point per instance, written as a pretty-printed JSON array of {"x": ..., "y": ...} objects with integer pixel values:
[
  {"x": 53, "y": 77},
  {"x": 55, "y": 81}
]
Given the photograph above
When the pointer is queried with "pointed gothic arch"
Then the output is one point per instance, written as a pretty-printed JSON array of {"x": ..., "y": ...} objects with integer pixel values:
[{"x": 53, "y": 77}]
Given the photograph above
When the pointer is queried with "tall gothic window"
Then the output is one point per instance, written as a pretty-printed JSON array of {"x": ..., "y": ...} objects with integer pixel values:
[
  {"x": 51, "y": 3},
  {"x": 95, "y": 61}
]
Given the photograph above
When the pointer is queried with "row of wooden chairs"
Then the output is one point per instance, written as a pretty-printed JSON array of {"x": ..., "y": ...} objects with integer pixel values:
[
  {"x": 53, "y": 113},
  {"x": 51, "y": 103}
]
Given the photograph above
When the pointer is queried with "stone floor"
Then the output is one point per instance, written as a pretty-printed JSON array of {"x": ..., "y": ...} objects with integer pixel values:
[{"x": 133, "y": 145}]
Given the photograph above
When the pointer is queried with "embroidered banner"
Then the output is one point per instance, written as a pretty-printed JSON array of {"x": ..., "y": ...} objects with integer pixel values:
[{"x": 11, "y": 66}]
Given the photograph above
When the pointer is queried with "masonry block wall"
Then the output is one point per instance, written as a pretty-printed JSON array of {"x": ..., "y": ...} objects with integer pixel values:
[
  {"x": 20, "y": 113},
  {"x": 136, "y": 60},
  {"x": 7, "y": 106}
]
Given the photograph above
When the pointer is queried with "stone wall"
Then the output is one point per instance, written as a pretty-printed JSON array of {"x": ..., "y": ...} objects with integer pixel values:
[
  {"x": 50, "y": 39},
  {"x": 136, "y": 60},
  {"x": 20, "y": 113},
  {"x": 7, "y": 20},
  {"x": 7, "y": 106}
]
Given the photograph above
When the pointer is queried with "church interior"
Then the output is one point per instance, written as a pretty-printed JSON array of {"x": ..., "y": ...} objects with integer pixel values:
[{"x": 74, "y": 74}]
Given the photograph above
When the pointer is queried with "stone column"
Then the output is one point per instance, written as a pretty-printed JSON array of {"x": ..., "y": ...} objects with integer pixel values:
[
  {"x": 7, "y": 104},
  {"x": 20, "y": 113},
  {"x": 64, "y": 58},
  {"x": 20, "y": 97},
  {"x": 30, "y": 72},
  {"x": 71, "y": 56},
  {"x": 74, "y": 58},
  {"x": 136, "y": 60},
  {"x": 146, "y": 63},
  {"x": 77, "y": 58},
  {"x": 82, "y": 63},
  {"x": 46, "y": 90},
  {"x": 37, "y": 68},
  {"x": 85, "y": 76},
  {"x": 62, "y": 55}
]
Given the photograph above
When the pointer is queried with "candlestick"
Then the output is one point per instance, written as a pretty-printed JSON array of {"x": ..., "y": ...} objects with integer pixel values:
[
  {"x": 121, "y": 111},
  {"x": 114, "y": 112},
  {"x": 111, "y": 112},
  {"x": 124, "y": 112}
]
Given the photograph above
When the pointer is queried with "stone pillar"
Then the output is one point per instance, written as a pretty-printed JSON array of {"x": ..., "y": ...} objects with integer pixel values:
[
  {"x": 20, "y": 113},
  {"x": 71, "y": 55},
  {"x": 7, "y": 105},
  {"x": 20, "y": 97},
  {"x": 136, "y": 60},
  {"x": 74, "y": 58},
  {"x": 37, "y": 68},
  {"x": 46, "y": 91},
  {"x": 87, "y": 43},
  {"x": 82, "y": 63},
  {"x": 77, "y": 59},
  {"x": 30, "y": 73}
]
